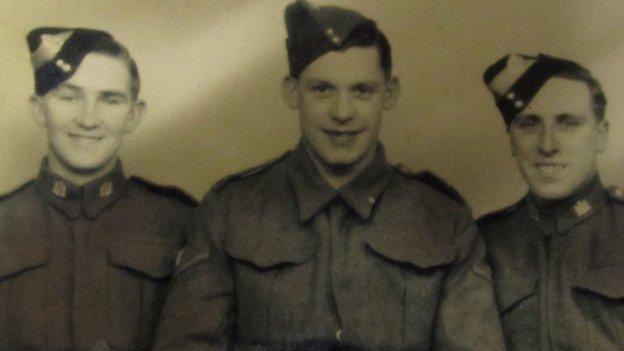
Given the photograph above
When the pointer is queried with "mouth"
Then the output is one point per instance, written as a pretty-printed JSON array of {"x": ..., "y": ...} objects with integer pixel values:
[
  {"x": 550, "y": 168},
  {"x": 85, "y": 138},
  {"x": 342, "y": 136}
]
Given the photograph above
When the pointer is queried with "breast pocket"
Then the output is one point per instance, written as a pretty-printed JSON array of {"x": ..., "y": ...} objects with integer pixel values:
[
  {"x": 599, "y": 293},
  {"x": 411, "y": 282},
  {"x": 23, "y": 287},
  {"x": 271, "y": 282},
  {"x": 137, "y": 283}
]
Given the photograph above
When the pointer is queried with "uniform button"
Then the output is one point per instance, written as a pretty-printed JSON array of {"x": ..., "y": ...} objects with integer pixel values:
[
  {"x": 511, "y": 96},
  {"x": 519, "y": 103},
  {"x": 339, "y": 335}
]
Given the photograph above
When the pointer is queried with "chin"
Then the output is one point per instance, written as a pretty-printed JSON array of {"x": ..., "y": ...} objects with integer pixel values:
[
  {"x": 551, "y": 194},
  {"x": 83, "y": 165}
]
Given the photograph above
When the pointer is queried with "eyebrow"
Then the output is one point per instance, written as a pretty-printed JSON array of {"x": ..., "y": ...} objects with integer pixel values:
[
  {"x": 366, "y": 84},
  {"x": 113, "y": 93},
  {"x": 70, "y": 87}
]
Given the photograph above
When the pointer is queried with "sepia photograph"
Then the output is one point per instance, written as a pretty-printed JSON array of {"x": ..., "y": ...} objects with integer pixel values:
[{"x": 311, "y": 175}]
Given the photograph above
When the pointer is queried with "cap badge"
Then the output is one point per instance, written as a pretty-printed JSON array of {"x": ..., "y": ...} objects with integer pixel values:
[
  {"x": 582, "y": 207},
  {"x": 331, "y": 33},
  {"x": 65, "y": 67},
  {"x": 106, "y": 189},
  {"x": 48, "y": 48},
  {"x": 59, "y": 189}
]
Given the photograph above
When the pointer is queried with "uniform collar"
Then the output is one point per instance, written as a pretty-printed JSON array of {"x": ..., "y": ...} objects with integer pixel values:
[
  {"x": 89, "y": 199},
  {"x": 562, "y": 215},
  {"x": 313, "y": 192}
]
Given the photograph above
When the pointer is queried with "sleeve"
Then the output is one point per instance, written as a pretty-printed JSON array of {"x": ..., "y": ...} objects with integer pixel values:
[
  {"x": 467, "y": 317},
  {"x": 199, "y": 310}
]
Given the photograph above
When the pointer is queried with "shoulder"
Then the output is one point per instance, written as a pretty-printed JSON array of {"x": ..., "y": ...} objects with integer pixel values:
[
  {"x": 432, "y": 181},
  {"x": 20, "y": 190},
  {"x": 616, "y": 194},
  {"x": 497, "y": 215},
  {"x": 166, "y": 192},
  {"x": 248, "y": 175},
  {"x": 19, "y": 205}
]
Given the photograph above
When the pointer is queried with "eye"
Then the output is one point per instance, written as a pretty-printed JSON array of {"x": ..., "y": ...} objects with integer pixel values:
[
  {"x": 364, "y": 91},
  {"x": 112, "y": 100},
  {"x": 68, "y": 97},
  {"x": 321, "y": 90},
  {"x": 527, "y": 122},
  {"x": 567, "y": 121}
]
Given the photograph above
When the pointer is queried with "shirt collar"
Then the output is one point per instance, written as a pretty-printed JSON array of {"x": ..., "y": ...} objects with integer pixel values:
[
  {"x": 564, "y": 214},
  {"x": 89, "y": 199},
  {"x": 313, "y": 192}
]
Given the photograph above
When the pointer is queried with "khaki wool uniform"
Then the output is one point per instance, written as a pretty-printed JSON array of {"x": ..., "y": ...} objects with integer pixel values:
[
  {"x": 85, "y": 268},
  {"x": 279, "y": 260},
  {"x": 559, "y": 271}
]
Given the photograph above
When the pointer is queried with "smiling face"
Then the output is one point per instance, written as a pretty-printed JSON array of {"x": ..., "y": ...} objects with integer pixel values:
[
  {"x": 87, "y": 116},
  {"x": 557, "y": 138},
  {"x": 340, "y": 97}
]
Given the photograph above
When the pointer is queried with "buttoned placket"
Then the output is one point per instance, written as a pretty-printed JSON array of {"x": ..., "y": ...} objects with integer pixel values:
[
  {"x": 558, "y": 228},
  {"x": 339, "y": 260}
]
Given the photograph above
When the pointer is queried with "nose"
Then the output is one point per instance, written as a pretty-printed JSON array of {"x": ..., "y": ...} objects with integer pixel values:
[
  {"x": 89, "y": 118},
  {"x": 548, "y": 143},
  {"x": 342, "y": 111}
]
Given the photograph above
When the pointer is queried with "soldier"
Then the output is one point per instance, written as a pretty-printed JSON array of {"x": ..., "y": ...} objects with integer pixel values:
[
  {"x": 329, "y": 247},
  {"x": 556, "y": 255},
  {"x": 85, "y": 253}
]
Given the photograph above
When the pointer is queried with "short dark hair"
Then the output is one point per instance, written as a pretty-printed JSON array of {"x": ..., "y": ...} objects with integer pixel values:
[
  {"x": 598, "y": 98},
  {"x": 366, "y": 36},
  {"x": 113, "y": 48}
]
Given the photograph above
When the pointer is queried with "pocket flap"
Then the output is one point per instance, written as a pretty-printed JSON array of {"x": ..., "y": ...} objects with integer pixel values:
[
  {"x": 268, "y": 250},
  {"x": 412, "y": 249},
  {"x": 153, "y": 259},
  {"x": 15, "y": 258},
  {"x": 607, "y": 281},
  {"x": 511, "y": 291}
]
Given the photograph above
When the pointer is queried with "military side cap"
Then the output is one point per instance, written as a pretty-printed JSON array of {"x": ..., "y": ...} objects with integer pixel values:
[
  {"x": 313, "y": 32},
  {"x": 56, "y": 53},
  {"x": 515, "y": 79}
]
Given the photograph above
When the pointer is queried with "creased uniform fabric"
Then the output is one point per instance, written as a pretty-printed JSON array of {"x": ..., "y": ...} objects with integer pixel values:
[
  {"x": 559, "y": 271},
  {"x": 278, "y": 260},
  {"x": 85, "y": 268}
]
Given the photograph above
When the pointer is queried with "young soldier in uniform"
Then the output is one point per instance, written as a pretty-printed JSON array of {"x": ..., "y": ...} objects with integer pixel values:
[
  {"x": 85, "y": 253},
  {"x": 329, "y": 247},
  {"x": 556, "y": 255}
]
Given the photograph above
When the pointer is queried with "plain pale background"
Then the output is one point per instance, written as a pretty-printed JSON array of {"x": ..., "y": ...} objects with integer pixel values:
[{"x": 211, "y": 73}]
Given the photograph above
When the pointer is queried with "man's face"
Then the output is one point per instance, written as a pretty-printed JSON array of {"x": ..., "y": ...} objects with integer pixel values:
[
  {"x": 340, "y": 97},
  {"x": 87, "y": 116},
  {"x": 556, "y": 139}
]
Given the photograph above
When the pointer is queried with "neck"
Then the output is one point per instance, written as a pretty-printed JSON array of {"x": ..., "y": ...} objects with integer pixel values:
[
  {"x": 570, "y": 199},
  {"x": 74, "y": 176},
  {"x": 336, "y": 177}
]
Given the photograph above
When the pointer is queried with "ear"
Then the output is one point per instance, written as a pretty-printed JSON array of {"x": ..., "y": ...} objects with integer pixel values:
[
  {"x": 38, "y": 110},
  {"x": 290, "y": 93},
  {"x": 135, "y": 115},
  {"x": 391, "y": 93},
  {"x": 603, "y": 135}
]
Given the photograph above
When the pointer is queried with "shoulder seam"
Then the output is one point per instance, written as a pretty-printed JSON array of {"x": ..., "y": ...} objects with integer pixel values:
[
  {"x": 16, "y": 190},
  {"x": 219, "y": 185},
  {"x": 165, "y": 190},
  {"x": 433, "y": 181},
  {"x": 491, "y": 216}
]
